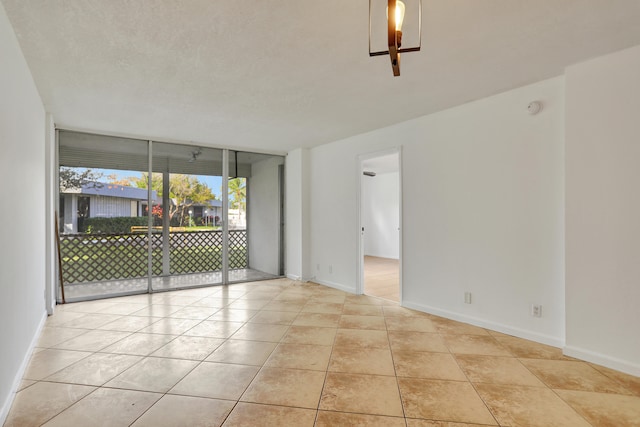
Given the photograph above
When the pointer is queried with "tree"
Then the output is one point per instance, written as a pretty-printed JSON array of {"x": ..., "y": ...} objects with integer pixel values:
[
  {"x": 184, "y": 192},
  {"x": 77, "y": 177},
  {"x": 238, "y": 190}
]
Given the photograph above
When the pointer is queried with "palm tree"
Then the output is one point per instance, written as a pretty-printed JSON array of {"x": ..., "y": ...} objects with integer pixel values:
[{"x": 238, "y": 190}]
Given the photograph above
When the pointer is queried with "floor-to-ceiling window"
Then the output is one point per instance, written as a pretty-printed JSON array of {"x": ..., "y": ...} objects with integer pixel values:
[
  {"x": 139, "y": 216},
  {"x": 103, "y": 215}
]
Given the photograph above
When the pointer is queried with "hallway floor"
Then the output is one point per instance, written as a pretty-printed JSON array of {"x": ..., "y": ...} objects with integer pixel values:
[
  {"x": 285, "y": 353},
  {"x": 382, "y": 277}
]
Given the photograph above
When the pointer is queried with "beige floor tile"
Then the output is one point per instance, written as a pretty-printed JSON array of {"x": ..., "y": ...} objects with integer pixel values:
[
  {"x": 629, "y": 381},
  {"x": 361, "y": 338},
  {"x": 173, "y": 411},
  {"x": 106, "y": 408},
  {"x": 153, "y": 374},
  {"x": 443, "y": 400},
  {"x": 52, "y": 335},
  {"x": 278, "y": 305},
  {"x": 397, "y": 311},
  {"x": 415, "y": 324},
  {"x": 419, "y": 364},
  {"x": 569, "y": 375},
  {"x": 212, "y": 302},
  {"x": 528, "y": 349},
  {"x": 199, "y": 313},
  {"x": 361, "y": 360},
  {"x": 60, "y": 317},
  {"x": 362, "y": 310},
  {"x": 253, "y": 415},
  {"x": 214, "y": 329},
  {"x": 417, "y": 341},
  {"x": 139, "y": 344},
  {"x": 242, "y": 352},
  {"x": 324, "y": 320},
  {"x": 95, "y": 370},
  {"x": 323, "y": 307},
  {"x": 129, "y": 323},
  {"x": 249, "y": 304},
  {"x": 496, "y": 370},
  {"x": 216, "y": 380},
  {"x": 475, "y": 344},
  {"x": 343, "y": 419},
  {"x": 261, "y": 332},
  {"x": 604, "y": 409},
  {"x": 170, "y": 326},
  {"x": 530, "y": 406},
  {"x": 351, "y": 321},
  {"x": 286, "y": 387},
  {"x": 274, "y": 317},
  {"x": 364, "y": 300},
  {"x": 42, "y": 401},
  {"x": 90, "y": 321},
  {"x": 24, "y": 384},
  {"x": 447, "y": 326},
  {"x": 122, "y": 308},
  {"x": 233, "y": 315},
  {"x": 187, "y": 347},
  {"x": 300, "y": 356},
  {"x": 310, "y": 335},
  {"x": 368, "y": 394},
  {"x": 49, "y": 361},
  {"x": 157, "y": 310},
  {"x": 93, "y": 340},
  {"x": 331, "y": 299}
]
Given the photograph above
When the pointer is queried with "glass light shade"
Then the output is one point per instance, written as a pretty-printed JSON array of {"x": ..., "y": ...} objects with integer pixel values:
[{"x": 399, "y": 15}]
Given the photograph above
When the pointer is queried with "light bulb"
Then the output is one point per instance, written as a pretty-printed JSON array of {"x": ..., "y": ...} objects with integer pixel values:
[{"x": 399, "y": 15}]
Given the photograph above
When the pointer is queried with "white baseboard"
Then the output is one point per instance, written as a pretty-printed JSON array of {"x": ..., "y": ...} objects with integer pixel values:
[
  {"x": 299, "y": 278},
  {"x": 483, "y": 323},
  {"x": 603, "y": 360},
  {"x": 17, "y": 379},
  {"x": 334, "y": 285}
]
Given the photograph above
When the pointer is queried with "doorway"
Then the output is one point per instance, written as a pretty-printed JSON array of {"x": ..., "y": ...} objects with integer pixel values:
[{"x": 380, "y": 224}]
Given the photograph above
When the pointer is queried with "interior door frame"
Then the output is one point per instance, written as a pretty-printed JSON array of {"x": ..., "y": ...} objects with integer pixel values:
[{"x": 359, "y": 170}]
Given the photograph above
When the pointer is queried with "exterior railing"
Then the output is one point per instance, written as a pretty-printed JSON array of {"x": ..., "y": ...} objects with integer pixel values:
[{"x": 90, "y": 258}]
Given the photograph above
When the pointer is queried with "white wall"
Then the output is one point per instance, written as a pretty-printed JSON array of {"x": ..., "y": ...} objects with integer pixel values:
[
  {"x": 297, "y": 215},
  {"x": 603, "y": 210},
  {"x": 264, "y": 216},
  {"x": 483, "y": 211},
  {"x": 22, "y": 252},
  {"x": 381, "y": 215}
]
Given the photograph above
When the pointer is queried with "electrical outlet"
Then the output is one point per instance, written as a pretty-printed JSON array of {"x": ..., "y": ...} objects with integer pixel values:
[
  {"x": 467, "y": 297},
  {"x": 536, "y": 310},
  {"x": 330, "y": 269},
  {"x": 318, "y": 267}
]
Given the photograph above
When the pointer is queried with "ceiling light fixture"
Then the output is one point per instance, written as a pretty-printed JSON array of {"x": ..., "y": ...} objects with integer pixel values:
[
  {"x": 394, "y": 15},
  {"x": 194, "y": 155}
]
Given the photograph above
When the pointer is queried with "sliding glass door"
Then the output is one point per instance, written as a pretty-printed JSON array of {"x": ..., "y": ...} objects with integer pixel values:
[
  {"x": 138, "y": 216},
  {"x": 188, "y": 180},
  {"x": 102, "y": 217}
]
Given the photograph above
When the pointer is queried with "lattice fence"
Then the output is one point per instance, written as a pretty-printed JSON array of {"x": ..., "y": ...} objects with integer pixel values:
[{"x": 94, "y": 258}]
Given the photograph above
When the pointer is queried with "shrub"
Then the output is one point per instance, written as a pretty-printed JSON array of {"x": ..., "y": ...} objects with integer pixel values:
[{"x": 116, "y": 225}]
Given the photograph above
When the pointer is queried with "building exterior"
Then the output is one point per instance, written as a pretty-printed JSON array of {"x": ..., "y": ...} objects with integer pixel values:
[{"x": 100, "y": 200}]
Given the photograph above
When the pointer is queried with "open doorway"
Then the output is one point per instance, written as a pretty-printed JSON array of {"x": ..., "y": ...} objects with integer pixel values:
[{"x": 380, "y": 207}]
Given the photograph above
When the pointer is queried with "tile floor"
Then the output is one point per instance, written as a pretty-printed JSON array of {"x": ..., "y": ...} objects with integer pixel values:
[
  {"x": 382, "y": 277},
  {"x": 283, "y": 353}
]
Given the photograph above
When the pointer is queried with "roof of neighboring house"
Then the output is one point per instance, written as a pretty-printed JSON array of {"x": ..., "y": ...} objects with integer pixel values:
[{"x": 112, "y": 190}]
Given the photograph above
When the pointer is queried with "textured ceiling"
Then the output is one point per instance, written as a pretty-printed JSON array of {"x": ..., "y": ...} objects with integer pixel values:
[{"x": 276, "y": 75}]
